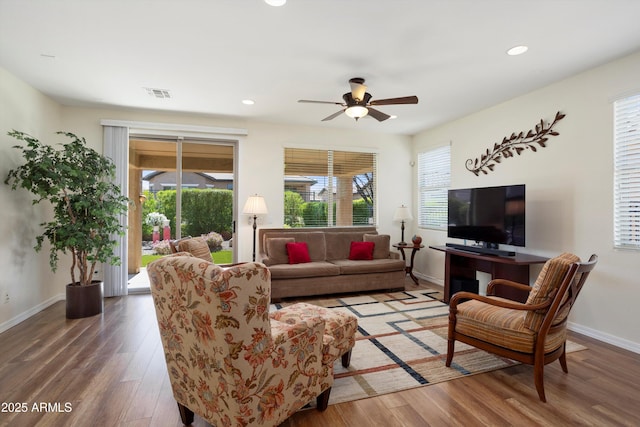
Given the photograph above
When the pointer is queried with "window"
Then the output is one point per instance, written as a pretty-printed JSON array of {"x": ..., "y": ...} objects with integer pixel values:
[
  {"x": 626, "y": 179},
  {"x": 317, "y": 179},
  {"x": 434, "y": 179}
]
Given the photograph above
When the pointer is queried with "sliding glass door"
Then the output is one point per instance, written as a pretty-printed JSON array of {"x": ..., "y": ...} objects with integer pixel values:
[{"x": 184, "y": 188}]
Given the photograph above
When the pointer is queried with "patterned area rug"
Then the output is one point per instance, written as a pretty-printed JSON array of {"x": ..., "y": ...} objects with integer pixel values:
[{"x": 402, "y": 344}]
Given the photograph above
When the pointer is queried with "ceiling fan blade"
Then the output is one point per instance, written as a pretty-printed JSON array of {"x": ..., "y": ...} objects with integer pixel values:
[
  {"x": 333, "y": 116},
  {"x": 391, "y": 101},
  {"x": 319, "y": 102},
  {"x": 377, "y": 114}
]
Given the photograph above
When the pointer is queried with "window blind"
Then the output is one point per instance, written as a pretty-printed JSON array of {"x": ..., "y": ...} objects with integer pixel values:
[
  {"x": 434, "y": 179},
  {"x": 317, "y": 179},
  {"x": 627, "y": 173}
]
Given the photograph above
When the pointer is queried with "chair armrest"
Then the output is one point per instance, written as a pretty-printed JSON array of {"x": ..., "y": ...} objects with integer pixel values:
[
  {"x": 459, "y": 297},
  {"x": 241, "y": 267},
  {"x": 230, "y": 265},
  {"x": 496, "y": 286}
]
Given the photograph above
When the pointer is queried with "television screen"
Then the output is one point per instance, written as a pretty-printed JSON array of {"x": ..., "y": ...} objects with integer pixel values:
[{"x": 493, "y": 215}]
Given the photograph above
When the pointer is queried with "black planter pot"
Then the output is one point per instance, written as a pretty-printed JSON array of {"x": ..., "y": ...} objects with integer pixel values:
[{"x": 84, "y": 301}]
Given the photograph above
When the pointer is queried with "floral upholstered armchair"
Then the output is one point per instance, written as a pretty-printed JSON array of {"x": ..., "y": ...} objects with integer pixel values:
[{"x": 228, "y": 361}]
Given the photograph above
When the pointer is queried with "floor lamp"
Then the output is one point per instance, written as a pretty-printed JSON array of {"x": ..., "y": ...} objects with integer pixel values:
[
  {"x": 255, "y": 206},
  {"x": 402, "y": 214}
]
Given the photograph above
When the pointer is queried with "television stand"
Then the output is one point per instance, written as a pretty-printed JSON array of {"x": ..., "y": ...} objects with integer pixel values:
[
  {"x": 461, "y": 266},
  {"x": 481, "y": 250}
]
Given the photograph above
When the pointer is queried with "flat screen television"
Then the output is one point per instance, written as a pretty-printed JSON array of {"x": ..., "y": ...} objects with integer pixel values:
[{"x": 490, "y": 215}]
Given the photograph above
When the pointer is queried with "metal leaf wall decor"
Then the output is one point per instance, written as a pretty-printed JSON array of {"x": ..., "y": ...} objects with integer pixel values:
[{"x": 515, "y": 144}]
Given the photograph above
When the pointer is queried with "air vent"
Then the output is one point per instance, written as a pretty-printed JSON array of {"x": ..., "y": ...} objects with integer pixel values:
[{"x": 158, "y": 93}]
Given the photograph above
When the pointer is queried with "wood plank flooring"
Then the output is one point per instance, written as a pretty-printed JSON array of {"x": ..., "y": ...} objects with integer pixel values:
[{"x": 109, "y": 371}]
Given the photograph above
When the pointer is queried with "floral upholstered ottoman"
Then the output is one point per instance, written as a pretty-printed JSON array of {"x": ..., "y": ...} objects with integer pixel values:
[{"x": 339, "y": 328}]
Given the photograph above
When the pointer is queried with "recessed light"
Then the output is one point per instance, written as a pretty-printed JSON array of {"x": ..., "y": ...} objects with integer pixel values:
[
  {"x": 275, "y": 3},
  {"x": 393, "y": 117},
  {"x": 517, "y": 50},
  {"x": 248, "y": 101}
]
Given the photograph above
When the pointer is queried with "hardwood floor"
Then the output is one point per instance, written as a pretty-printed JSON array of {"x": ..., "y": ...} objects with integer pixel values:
[{"x": 109, "y": 371}]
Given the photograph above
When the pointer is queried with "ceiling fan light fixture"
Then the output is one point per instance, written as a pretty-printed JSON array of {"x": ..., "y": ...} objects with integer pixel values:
[
  {"x": 356, "y": 111},
  {"x": 275, "y": 3}
]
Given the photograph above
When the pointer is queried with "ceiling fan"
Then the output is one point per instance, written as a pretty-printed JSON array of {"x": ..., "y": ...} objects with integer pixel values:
[{"x": 358, "y": 103}]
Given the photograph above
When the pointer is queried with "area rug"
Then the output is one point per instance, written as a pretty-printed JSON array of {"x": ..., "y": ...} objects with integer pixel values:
[{"x": 401, "y": 344}]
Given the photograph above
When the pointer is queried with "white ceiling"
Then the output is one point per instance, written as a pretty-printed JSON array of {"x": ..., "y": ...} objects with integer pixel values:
[{"x": 211, "y": 54}]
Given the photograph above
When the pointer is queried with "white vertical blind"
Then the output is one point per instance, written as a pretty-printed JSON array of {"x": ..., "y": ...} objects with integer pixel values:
[
  {"x": 627, "y": 173},
  {"x": 116, "y": 147},
  {"x": 434, "y": 179}
]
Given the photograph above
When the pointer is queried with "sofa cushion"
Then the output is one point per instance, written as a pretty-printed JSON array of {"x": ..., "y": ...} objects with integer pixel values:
[
  {"x": 339, "y": 243},
  {"x": 382, "y": 241},
  {"x": 362, "y": 251},
  {"x": 315, "y": 242},
  {"x": 309, "y": 269},
  {"x": 363, "y": 267},
  {"x": 298, "y": 252},
  {"x": 277, "y": 249}
]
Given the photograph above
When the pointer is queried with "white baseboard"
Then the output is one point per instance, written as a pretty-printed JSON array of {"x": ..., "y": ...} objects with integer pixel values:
[
  {"x": 429, "y": 279},
  {"x": 32, "y": 311},
  {"x": 604, "y": 337}
]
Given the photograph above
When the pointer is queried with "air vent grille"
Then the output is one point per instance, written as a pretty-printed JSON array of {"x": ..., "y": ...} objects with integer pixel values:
[{"x": 158, "y": 93}]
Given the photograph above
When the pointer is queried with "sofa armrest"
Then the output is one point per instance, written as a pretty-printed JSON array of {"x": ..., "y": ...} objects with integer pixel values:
[
  {"x": 394, "y": 255},
  {"x": 264, "y": 258}
]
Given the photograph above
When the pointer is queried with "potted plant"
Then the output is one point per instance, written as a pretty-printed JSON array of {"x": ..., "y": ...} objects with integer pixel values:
[
  {"x": 87, "y": 208},
  {"x": 156, "y": 219}
]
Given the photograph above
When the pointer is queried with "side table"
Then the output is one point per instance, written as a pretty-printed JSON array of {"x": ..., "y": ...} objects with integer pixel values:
[{"x": 414, "y": 249}]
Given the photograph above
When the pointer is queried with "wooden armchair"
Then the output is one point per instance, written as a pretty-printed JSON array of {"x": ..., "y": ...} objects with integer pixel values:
[
  {"x": 228, "y": 361},
  {"x": 533, "y": 332}
]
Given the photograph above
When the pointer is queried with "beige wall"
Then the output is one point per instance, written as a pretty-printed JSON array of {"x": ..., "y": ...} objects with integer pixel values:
[
  {"x": 569, "y": 187},
  {"x": 25, "y": 276}
]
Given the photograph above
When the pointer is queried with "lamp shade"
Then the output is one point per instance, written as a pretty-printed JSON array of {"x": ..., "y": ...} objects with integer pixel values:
[
  {"x": 255, "y": 205},
  {"x": 402, "y": 213}
]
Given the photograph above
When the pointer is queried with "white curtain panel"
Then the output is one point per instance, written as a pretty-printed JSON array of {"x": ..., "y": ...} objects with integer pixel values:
[{"x": 116, "y": 147}]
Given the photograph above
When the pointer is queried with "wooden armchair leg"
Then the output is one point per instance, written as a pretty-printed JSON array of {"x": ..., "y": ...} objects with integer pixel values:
[
  {"x": 186, "y": 415},
  {"x": 450, "y": 348},
  {"x": 346, "y": 359},
  {"x": 538, "y": 377},
  {"x": 563, "y": 360},
  {"x": 322, "y": 401}
]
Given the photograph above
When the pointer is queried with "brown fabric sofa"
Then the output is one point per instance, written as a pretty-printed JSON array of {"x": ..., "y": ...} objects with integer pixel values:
[{"x": 330, "y": 270}]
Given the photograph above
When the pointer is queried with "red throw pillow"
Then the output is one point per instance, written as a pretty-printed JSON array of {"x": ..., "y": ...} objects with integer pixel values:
[
  {"x": 361, "y": 251},
  {"x": 298, "y": 252}
]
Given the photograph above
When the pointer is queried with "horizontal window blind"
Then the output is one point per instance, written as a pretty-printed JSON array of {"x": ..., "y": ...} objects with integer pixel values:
[
  {"x": 317, "y": 179},
  {"x": 627, "y": 173},
  {"x": 434, "y": 180}
]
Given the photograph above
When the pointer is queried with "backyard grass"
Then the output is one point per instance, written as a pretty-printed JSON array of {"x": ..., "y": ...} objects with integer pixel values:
[{"x": 219, "y": 257}]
